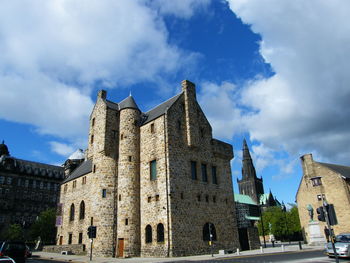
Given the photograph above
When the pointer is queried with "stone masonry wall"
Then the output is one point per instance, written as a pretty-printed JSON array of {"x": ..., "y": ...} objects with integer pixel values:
[{"x": 333, "y": 187}]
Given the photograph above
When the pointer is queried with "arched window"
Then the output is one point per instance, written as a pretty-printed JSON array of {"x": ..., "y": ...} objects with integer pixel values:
[
  {"x": 82, "y": 210},
  {"x": 148, "y": 234},
  {"x": 71, "y": 214},
  {"x": 160, "y": 233},
  {"x": 208, "y": 229}
]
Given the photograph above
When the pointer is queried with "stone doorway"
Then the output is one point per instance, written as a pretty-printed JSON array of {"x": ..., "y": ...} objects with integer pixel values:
[{"x": 120, "y": 247}]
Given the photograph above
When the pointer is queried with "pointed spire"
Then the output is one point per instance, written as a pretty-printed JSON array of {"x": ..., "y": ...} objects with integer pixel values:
[{"x": 246, "y": 153}]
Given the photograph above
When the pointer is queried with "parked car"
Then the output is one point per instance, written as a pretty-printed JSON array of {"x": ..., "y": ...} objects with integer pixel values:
[
  {"x": 342, "y": 246},
  {"x": 6, "y": 260},
  {"x": 13, "y": 249}
]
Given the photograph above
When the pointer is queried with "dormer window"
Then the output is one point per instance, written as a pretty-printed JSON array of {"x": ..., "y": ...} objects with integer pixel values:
[{"x": 316, "y": 181}]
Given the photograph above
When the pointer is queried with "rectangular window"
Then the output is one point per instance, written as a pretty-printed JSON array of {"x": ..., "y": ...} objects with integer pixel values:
[
  {"x": 316, "y": 181},
  {"x": 104, "y": 193},
  {"x": 204, "y": 173},
  {"x": 213, "y": 175},
  {"x": 70, "y": 238},
  {"x": 126, "y": 221},
  {"x": 93, "y": 122},
  {"x": 153, "y": 170},
  {"x": 152, "y": 128},
  {"x": 194, "y": 170},
  {"x": 92, "y": 139},
  {"x": 74, "y": 184},
  {"x": 80, "y": 241},
  {"x": 157, "y": 197},
  {"x": 149, "y": 199}
]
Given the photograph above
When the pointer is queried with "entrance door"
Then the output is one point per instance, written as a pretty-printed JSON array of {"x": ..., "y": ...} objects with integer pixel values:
[
  {"x": 61, "y": 240},
  {"x": 243, "y": 238},
  {"x": 120, "y": 247}
]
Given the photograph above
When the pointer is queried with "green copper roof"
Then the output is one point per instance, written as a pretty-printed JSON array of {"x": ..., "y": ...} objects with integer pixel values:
[{"x": 244, "y": 199}]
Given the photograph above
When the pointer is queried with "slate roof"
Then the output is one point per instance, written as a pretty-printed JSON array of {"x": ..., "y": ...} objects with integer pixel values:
[
  {"x": 112, "y": 105},
  {"x": 31, "y": 168},
  {"x": 244, "y": 199},
  {"x": 159, "y": 110},
  {"x": 84, "y": 168},
  {"x": 340, "y": 169},
  {"x": 129, "y": 102}
]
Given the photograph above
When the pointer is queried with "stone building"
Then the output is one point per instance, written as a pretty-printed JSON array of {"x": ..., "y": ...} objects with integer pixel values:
[
  {"x": 154, "y": 183},
  {"x": 323, "y": 181},
  {"x": 26, "y": 189}
]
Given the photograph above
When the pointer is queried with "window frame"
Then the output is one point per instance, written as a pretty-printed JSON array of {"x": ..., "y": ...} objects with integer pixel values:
[{"x": 153, "y": 170}]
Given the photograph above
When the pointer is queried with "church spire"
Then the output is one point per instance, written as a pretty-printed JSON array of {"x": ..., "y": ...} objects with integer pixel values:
[{"x": 248, "y": 169}]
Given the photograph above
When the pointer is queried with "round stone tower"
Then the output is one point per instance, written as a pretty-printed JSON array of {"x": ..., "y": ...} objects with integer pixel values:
[{"x": 128, "y": 229}]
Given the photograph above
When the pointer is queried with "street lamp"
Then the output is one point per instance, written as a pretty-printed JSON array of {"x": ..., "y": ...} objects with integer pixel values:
[{"x": 262, "y": 223}]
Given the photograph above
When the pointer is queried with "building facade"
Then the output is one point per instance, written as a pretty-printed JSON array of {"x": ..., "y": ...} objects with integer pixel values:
[
  {"x": 26, "y": 189},
  {"x": 154, "y": 183},
  {"x": 323, "y": 182}
]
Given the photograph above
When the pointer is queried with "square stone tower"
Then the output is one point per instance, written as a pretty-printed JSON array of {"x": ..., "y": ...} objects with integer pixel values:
[{"x": 154, "y": 183}]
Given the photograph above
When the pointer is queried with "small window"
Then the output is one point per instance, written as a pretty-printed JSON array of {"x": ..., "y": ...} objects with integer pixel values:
[
  {"x": 179, "y": 125},
  {"x": 80, "y": 241},
  {"x": 204, "y": 173},
  {"x": 207, "y": 198},
  {"x": 94, "y": 169},
  {"x": 84, "y": 180},
  {"x": 71, "y": 212},
  {"x": 214, "y": 199},
  {"x": 126, "y": 221},
  {"x": 92, "y": 139},
  {"x": 130, "y": 158},
  {"x": 202, "y": 132},
  {"x": 194, "y": 170},
  {"x": 198, "y": 197},
  {"x": 65, "y": 188},
  {"x": 213, "y": 175},
  {"x": 104, "y": 193},
  {"x": 121, "y": 136},
  {"x": 157, "y": 197},
  {"x": 149, "y": 199},
  {"x": 148, "y": 231},
  {"x": 93, "y": 122},
  {"x": 160, "y": 233},
  {"x": 152, "y": 128},
  {"x": 226, "y": 201},
  {"x": 316, "y": 181},
  {"x": 114, "y": 134},
  {"x": 70, "y": 236},
  {"x": 74, "y": 184},
  {"x": 153, "y": 170},
  {"x": 91, "y": 221},
  {"x": 182, "y": 195},
  {"x": 120, "y": 197},
  {"x": 82, "y": 210}
]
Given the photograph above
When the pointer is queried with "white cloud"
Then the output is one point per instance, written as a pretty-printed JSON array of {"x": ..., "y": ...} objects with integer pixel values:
[
  {"x": 219, "y": 105},
  {"x": 304, "y": 106},
  {"x": 53, "y": 53},
  {"x": 61, "y": 148}
]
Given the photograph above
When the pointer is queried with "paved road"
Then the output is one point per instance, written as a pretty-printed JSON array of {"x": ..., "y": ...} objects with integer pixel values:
[
  {"x": 38, "y": 260},
  {"x": 317, "y": 256}
]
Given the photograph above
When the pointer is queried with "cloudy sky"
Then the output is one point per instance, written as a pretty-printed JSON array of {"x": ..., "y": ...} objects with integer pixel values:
[{"x": 273, "y": 72}]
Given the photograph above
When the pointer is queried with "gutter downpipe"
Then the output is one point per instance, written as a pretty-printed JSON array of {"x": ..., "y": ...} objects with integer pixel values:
[{"x": 166, "y": 178}]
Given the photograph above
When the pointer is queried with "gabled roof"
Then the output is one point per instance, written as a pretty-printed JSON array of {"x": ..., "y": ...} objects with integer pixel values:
[
  {"x": 244, "y": 199},
  {"x": 159, "y": 110},
  {"x": 340, "y": 169},
  {"x": 84, "y": 168}
]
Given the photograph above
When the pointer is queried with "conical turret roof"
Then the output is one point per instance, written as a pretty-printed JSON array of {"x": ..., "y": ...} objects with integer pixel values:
[
  {"x": 3, "y": 149},
  {"x": 129, "y": 103}
]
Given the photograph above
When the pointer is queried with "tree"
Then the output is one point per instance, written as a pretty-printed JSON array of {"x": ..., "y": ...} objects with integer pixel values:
[
  {"x": 283, "y": 225},
  {"x": 14, "y": 232},
  {"x": 44, "y": 227}
]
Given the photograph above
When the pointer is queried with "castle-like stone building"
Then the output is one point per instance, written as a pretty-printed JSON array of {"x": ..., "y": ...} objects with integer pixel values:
[
  {"x": 154, "y": 183},
  {"x": 323, "y": 182}
]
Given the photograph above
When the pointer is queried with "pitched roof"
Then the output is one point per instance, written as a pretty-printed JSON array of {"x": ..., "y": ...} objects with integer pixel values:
[
  {"x": 84, "y": 168},
  {"x": 244, "y": 199},
  {"x": 340, "y": 169},
  {"x": 159, "y": 110}
]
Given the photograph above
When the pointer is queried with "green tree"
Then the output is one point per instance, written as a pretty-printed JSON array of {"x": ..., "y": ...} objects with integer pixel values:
[
  {"x": 283, "y": 225},
  {"x": 14, "y": 232},
  {"x": 44, "y": 227}
]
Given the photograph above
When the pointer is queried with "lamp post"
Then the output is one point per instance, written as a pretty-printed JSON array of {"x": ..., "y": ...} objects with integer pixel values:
[{"x": 262, "y": 223}]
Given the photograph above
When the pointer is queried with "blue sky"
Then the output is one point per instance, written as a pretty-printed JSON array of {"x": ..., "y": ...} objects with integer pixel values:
[{"x": 273, "y": 72}]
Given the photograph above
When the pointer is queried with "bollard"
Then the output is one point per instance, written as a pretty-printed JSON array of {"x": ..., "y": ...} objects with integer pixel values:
[
  {"x": 282, "y": 248},
  {"x": 300, "y": 247},
  {"x": 237, "y": 251},
  {"x": 261, "y": 249}
]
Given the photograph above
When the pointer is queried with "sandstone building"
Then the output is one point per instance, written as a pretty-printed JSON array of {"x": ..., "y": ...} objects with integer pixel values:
[
  {"x": 26, "y": 189},
  {"x": 323, "y": 181},
  {"x": 154, "y": 183}
]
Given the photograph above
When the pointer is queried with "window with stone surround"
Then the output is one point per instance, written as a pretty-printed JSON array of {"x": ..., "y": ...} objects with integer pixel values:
[
  {"x": 316, "y": 181},
  {"x": 126, "y": 221},
  {"x": 93, "y": 122},
  {"x": 160, "y": 233},
  {"x": 194, "y": 170},
  {"x": 153, "y": 170},
  {"x": 74, "y": 183},
  {"x": 157, "y": 197},
  {"x": 149, "y": 199},
  {"x": 84, "y": 180},
  {"x": 182, "y": 195},
  {"x": 204, "y": 172},
  {"x": 70, "y": 236},
  {"x": 92, "y": 139},
  {"x": 80, "y": 241},
  {"x": 198, "y": 197},
  {"x": 148, "y": 233},
  {"x": 152, "y": 128},
  {"x": 65, "y": 188},
  {"x": 121, "y": 136},
  {"x": 104, "y": 193},
  {"x": 82, "y": 210},
  {"x": 213, "y": 175},
  {"x": 214, "y": 199},
  {"x": 71, "y": 212},
  {"x": 130, "y": 158},
  {"x": 207, "y": 198}
]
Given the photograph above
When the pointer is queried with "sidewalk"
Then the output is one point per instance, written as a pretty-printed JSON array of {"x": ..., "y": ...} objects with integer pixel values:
[{"x": 85, "y": 259}]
